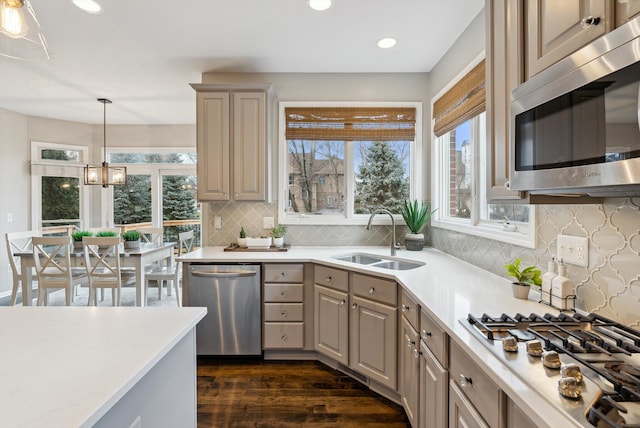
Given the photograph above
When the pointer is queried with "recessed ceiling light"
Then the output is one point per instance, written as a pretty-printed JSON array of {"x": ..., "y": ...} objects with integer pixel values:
[
  {"x": 320, "y": 4},
  {"x": 386, "y": 42},
  {"x": 89, "y": 6}
]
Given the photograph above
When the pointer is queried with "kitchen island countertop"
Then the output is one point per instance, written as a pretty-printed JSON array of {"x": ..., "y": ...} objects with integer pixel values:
[
  {"x": 67, "y": 367},
  {"x": 448, "y": 289}
]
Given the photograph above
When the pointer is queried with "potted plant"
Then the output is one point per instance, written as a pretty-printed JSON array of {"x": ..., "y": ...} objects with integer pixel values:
[
  {"x": 77, "y": 238},
  {"x": 526, "y": 277},
  {"x": 415, "y": 215},
  {"x": 278, "y": 233},
  {"x": 131, "y": 239},
  {"x": 105, "y": 234},
  {"x": 242, "y": 240}
]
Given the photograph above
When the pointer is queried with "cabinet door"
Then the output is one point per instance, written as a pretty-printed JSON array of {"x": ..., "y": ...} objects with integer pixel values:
[
  {"x": 556, "y": 29},
  {"x": 626, "y": 10},
  {"x": 504, "y": 71},
  {"x": 461, "y": 411},
  {"x": 373, "y": 340},
  {"x": 433, "y": 391},
  {"x": 213, "y": 146},
  {"x": 409, "y": 371},
  {"x": 331, "y": 318},
  {"x": 516, "y": 418},
  {"x": 249, "y": 146}
]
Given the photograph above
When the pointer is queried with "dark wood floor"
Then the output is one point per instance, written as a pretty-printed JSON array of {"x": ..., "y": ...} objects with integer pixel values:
[{"x": 256, "y": 393}]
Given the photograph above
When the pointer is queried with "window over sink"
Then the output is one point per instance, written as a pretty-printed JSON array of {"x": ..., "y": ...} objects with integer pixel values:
[{"x": 342, "y": 160}]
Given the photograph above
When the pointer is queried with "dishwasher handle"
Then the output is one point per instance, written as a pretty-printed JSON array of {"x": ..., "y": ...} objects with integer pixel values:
[{"x": 227, "y": 274}]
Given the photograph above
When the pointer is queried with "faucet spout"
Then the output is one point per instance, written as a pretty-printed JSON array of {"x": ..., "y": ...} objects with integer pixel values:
[{"x": 394, "y": 245}]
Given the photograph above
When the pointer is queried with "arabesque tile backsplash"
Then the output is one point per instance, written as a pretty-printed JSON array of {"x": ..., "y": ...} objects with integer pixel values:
[{"x": 610, "y": 285}]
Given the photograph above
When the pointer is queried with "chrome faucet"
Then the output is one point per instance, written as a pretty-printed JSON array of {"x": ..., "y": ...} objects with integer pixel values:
[{"x": 394, "y": 244}]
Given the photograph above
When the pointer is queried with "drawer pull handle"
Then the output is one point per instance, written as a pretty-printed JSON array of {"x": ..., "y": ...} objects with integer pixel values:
[
  {"x": 342, "y": 302},
  {"x": 284, "y": 315},
  {"x": 405, "y": 308},
  {"x": 589, "y": 21},
  {"x": 465, "y": 381},
  {"x": 372, "y": 290},
  {"x": 328, "y": 279},
  {"x": 284, "y": 338},
  {"x": 426, "y": 334}
]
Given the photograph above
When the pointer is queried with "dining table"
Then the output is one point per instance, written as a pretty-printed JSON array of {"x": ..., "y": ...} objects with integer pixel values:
[{"x": 137, "y": 258}]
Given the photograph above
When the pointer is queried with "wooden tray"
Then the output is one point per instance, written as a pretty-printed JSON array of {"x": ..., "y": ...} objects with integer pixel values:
[{"x": 235, "y": 247}]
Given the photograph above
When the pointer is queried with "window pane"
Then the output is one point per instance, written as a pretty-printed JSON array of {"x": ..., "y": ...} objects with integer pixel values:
[
  {"x": 518, "y": 213},
  {"x": 63, "y": 155},
  {"x": 308, "y": 162},
  {"x": 132, "y": 201},
  {"x": 60, "y": 201},
  {"x": 382, "y": 175},
  {"x": 144, "y": 158},
  {"x": 180, "y": 209},
  {"x": 459, "y": 177}
]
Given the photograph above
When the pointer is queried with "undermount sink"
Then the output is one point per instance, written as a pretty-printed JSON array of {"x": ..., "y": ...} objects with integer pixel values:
[{"x": 379, "y": 262}]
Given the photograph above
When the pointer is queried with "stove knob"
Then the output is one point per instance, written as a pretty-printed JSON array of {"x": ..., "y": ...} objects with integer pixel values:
[
  {"x": 551, "y": 360},
  {"x": 534, "y": 348},
  {"x": 510, "y": 344},
  {"x": 571, "y": 370},
  {"x": 569, "y": 387}
]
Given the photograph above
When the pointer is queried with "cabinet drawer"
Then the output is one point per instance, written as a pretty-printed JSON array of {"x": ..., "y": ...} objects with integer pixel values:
[
  {"x": 434, "y": 337},
  {"x": 283, "y": 293},
  {"x": 381, "y": 290},
  {"x": 283, "y": 335},
  {"x": 330, "y": 277},
  {"x": 475, "y": 384},
  {"x": 410, "y": 310},
  {"x": 276, "y": 272},
  {"x": 283, "y": 312}
]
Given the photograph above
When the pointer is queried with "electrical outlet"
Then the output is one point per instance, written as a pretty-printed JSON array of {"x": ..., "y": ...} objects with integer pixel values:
[
  {"x": 268, "y": 222},
  {"x": 573, "y": 250},
  {"x": 217, "y": 222}
]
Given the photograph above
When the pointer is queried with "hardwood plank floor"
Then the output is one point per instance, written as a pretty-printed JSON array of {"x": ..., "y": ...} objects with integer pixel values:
[{"x": 257, "y": 393}]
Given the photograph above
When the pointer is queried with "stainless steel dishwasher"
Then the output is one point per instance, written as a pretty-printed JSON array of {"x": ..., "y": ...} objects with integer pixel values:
[{"x": 231, "y": 294}]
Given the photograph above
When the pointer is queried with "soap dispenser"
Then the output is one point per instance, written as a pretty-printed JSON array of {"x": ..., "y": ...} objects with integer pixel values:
[
  {"x": 545, "y": 291},
  {"x": 561, "y": 288}
]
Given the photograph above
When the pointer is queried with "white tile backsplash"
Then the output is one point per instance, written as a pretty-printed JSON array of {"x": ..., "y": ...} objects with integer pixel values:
[{"x": 610, "y": 285}]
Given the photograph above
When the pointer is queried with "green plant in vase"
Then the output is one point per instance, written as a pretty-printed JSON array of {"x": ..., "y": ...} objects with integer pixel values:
[
  {"x": 131, "y": 239},
  {"x": 242, "y": 240},
  {"x": 415, "y": 216},
  {"x": 278, "y": 233},
  {"x": 524, "y": 278},
  {"x": 77, "y": 236}
]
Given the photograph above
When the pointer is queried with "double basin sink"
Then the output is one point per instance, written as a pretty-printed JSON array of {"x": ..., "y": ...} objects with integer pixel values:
[{"x": 375, "y": 260}]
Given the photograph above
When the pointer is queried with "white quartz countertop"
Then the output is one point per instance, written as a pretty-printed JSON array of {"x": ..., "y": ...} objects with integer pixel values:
[
  {"x": 66, "y": 367},
  {"x": 448, "y": 289}
]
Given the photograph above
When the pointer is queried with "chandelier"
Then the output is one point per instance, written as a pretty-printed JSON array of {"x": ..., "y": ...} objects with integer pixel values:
[
  {"x": 105, "y": 175},
  {"x": 20, "y": 35}
]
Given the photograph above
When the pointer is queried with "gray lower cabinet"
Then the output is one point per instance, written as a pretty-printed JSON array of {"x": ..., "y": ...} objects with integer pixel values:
[
  {"x": 516, "y": 418},
  {"x": 283, "y": 296},
  {"x": 433, "y": 390},
  {"x": 331, "y": 323},
  {"x": 462, "y": 414},
  {"x": 410, "y": 371}
]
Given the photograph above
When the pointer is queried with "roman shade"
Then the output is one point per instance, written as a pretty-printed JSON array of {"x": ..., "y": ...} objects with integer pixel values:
[
  {"x": 463, "y": 101},
  {"x": 351, "y": 123}
]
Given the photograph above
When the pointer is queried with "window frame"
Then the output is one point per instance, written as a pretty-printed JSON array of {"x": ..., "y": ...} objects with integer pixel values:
[
  {"x": 524, "y": 236},
  {"x": 416, "y": 172}
]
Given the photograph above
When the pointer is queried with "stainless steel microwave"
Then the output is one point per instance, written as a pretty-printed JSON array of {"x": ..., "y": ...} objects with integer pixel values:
[{"x": 575, "y": 127}]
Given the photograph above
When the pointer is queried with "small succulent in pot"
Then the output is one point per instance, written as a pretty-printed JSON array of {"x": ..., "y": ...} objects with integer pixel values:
[
  {"x": 278, "y": 233},
  {"x": 526, "y": 277},
  {"x": 242, "y": 240},
  {"x": 131, "y": 239}
]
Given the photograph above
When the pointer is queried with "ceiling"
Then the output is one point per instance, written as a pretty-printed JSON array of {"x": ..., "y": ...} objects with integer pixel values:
[{"x": 142, "y": 55}]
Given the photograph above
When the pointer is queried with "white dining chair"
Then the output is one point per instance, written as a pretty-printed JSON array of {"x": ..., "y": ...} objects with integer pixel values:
[
  {"x": 172, "y": 273},
  {"x": 18, "y": 242},
  {"x": 52, "y": 263},
  {"x": 151, "y": 235},
  {"x": 102, "y": 261}
]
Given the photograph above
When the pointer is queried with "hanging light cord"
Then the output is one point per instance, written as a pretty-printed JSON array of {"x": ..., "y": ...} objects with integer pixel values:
[{"x": 104, "y": 102}]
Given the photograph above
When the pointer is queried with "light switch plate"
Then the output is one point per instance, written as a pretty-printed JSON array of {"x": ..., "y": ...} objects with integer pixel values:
[
  {"x": 268, "y": 222},
  {"x": 573, "y": 250},
  {"x": 217, "y": 222}
]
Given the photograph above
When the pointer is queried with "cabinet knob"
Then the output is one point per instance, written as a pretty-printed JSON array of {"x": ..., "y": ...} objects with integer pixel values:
[
  {"x": 426, "y": 333},
  {"x": 405, "y": 308},
  {"x": 328, "y": 279},
  {"x": 372, "y": 290},
  {"x": 465, "y": 381},
  {"x": 237, "y": 194},
  {"x": 590, "y": 21},
  {"x": 224, "y": 194},
  {"x": 354, "y": 306},
  {"x": 282, "y": 293},
  {"x": 342, "y": 302},
  {"x": 282, "y": 274},
  {"x": 410, "y": 342},
  {"x": 416, "y": 353},
  {"x": 284, "y": 315},
  {"x": 284, "y": 338}
]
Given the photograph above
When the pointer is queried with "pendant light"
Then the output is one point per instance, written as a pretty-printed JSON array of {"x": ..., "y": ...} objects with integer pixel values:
[
  {"x": 105, "y": 175},
  {"x": 20, "y": 35}
]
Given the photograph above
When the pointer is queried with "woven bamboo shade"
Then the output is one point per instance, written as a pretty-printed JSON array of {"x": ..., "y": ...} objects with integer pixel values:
[
  {"x": 351, "y": 123},
  {"x": 463, "y": 101}
]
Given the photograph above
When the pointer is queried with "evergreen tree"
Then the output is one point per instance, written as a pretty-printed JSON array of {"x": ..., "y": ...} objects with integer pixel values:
[
  {"x": 60, "y": 195},
  {"x": 381, "y": 180}
]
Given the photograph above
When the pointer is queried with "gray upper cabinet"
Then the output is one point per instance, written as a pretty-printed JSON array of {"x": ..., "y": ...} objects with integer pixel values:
[
  {"x": 232, "y": 143},
  {"x": 555, "y": 29}
]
